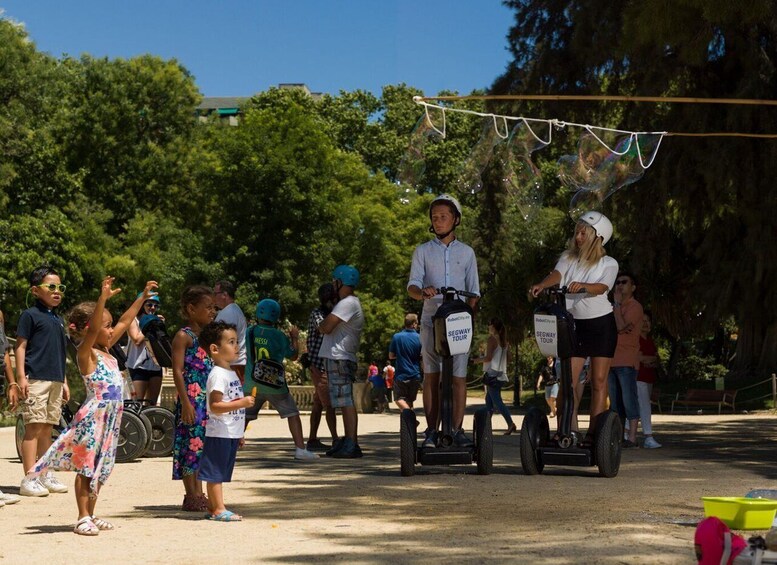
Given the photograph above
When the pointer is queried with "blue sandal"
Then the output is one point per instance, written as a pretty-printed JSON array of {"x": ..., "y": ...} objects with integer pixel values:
[{"x": 226, "y": 516}]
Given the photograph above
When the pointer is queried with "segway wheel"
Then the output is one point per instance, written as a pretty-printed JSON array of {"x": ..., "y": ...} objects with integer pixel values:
[
  {"x": 534, "y": 433},
  {"x": 162, "y": 436},
  {"x": 407, "y": 442},
  {"x": 484, "y": 441},
  {"x": 149, "y": 431},
  {"x": 608, "y": 445},
  {"x": 20, "y": 427},
  {"x": 132, "y": 438}
]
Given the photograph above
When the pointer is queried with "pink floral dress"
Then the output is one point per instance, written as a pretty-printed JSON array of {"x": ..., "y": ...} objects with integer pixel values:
[
  {"x": 88, "y": 445},
  {"x": 189, "y": 439}
]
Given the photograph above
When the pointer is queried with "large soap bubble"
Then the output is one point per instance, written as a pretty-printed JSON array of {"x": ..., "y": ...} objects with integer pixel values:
[
  {"x": 469, "y": 178},
  {"x": 605, "y": 162},
  {"x": 430, "y": 127},
  {"x": 520, "y": 176}
]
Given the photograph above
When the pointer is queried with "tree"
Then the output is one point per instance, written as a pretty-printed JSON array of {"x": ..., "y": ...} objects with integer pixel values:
[{"x": 696, "y": 228}]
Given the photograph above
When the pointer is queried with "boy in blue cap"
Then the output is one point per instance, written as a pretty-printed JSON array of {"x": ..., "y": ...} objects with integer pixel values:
[{"x": 266, "y": 348}]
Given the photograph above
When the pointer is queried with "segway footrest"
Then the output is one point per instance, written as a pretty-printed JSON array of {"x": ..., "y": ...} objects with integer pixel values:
[
  {"x": 445, "y": 456},
  {"x": 573, "y": 456}
]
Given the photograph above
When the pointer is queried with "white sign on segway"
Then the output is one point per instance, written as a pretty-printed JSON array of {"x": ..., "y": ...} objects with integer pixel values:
[
  {"x": 458, "y": 332},
  {"x": 546, "y": 334}
]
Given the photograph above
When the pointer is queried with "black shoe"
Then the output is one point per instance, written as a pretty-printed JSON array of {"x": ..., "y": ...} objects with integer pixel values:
[
  {"x": 430, "y": 439},
  {"x": 317, "y": 445},
  {"x": 348, "y": 450},
  {"x": 461, "y": 439},
  {"x": 335, "y": 447}
]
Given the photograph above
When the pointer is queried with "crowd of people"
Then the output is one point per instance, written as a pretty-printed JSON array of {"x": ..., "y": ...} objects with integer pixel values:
[{"x": 225, "y": 370}]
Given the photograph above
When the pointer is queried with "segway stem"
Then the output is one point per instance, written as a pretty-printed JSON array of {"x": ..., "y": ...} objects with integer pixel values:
[{"x": 446, "y": 402}]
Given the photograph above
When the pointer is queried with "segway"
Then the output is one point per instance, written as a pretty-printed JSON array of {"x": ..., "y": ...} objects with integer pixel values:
[
  {"x": 554, "y": 330},
  {"x": 452, "y": 336}
]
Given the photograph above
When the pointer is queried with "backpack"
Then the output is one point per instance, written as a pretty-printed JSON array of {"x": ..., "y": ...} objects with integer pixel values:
[{"x": 156, "y": 333}]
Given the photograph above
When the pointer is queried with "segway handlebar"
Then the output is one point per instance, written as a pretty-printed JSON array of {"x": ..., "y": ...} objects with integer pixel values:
[{"x": 462, "y": 293}]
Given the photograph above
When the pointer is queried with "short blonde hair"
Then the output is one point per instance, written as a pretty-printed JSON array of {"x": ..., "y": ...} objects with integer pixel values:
[
  {"x": 592, "y": 249},
  {"x": 410, "y": 320}
]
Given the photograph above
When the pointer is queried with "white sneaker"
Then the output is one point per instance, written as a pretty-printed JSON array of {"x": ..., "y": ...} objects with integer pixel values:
[
  {"x": 8, "y": 498},
  {"x": 304, "y": 455},
  {"x": 32, "y": 487},
  {"x": 52, "y": 484},
  {"x": 650, "y": 443}
]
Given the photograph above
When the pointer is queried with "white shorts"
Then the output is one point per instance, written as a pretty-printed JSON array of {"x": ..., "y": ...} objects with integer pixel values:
[{"x": 433, "y": 362}]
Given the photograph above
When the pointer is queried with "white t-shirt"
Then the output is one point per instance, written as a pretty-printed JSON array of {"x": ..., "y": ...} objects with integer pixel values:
[
  {"x": 230, "y": 424},
  {"x": 232, "y": 314},
  {"x": 343, "y": 342},
  {"x": 498, "y": 362},
  {"x": 584, "y": 306}
]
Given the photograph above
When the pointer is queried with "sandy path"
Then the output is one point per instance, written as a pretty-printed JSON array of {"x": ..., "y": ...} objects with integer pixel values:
[{"x": 364, "y": 511}]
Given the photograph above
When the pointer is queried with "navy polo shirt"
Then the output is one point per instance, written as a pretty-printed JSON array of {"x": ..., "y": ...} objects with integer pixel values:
[
  {"x": 44, "y": 330},
  {"x": 406, "y": 345}
]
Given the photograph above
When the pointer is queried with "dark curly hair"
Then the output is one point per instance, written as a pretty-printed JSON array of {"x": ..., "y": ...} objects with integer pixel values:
[
  {"x": 211, "y": 334},
  {"x": 192, "y": 295},
  {"x": 37, "y": 276}
]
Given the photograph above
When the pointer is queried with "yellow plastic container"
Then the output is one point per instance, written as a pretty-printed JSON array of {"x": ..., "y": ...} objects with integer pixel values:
[{"x": 740, "y": 513}]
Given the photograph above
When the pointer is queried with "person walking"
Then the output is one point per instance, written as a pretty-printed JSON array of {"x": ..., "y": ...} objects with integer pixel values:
[
  {"x": 495, "y": 367},
  {"x": 405, "y": 351}
]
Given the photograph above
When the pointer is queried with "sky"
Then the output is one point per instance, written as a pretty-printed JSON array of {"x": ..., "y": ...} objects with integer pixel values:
[{"x": 238, "y": 48}]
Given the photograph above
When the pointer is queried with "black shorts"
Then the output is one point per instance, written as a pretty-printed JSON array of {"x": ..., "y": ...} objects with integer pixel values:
[
  {"x": 144, "y": 374},
  {"x": 596, "y": 337},
  {"x": 406, "y": 390}
]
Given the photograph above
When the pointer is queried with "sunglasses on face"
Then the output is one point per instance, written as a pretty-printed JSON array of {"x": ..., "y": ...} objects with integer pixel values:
[
  {"x": 152, "y": 305},
  {"x": 622, "y": 281},
  {"x": 51, "y": 287}
]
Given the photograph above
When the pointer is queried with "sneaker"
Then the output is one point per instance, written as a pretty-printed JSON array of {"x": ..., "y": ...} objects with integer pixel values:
[
  {"x": 650, "y": 443},
  {"x": 52, "y": 484},
  {"x": 461, "y": 439},
  {"x": 348, "y": 450},
  {"x": 32, "y": 487},
  {"x": 316, "y": 445},
  {"x": 628, "y": 443},
  {"x": 304, "y": 455},
  {"x": 335, "y": 447},
  {"x": 8, "y": 498},
  {"x": 430, "y": 439}
]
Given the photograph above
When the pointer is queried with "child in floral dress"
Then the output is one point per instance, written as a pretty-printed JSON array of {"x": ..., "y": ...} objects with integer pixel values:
[
  {"x": 88, "y": 445},
  {"x": 191, "y": 366}
]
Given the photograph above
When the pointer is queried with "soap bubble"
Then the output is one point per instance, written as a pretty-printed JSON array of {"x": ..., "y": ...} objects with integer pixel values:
[
  {"x": 430, "y": 127},
  {"x": 585, "y": 200},
  {"x": 604, "y": 165},
  {"x": 469, "y": 178},
  {"x": 520, "y": 176}
]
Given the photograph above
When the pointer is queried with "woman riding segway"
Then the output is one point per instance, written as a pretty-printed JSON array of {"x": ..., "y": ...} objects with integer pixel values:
[{"x": 588, "y": 273}]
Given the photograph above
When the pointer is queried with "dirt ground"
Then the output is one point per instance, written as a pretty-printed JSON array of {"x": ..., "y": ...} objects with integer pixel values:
[{"x": 363, "y": 511}]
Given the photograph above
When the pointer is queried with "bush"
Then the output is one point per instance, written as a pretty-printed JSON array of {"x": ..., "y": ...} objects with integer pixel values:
[{"x": 697, "y": 368}]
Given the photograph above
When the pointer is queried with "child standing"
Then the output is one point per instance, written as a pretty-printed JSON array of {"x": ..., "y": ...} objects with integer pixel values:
[
  {"x": 263, "y": 341},
  {"x": 226, "y": 416},
  {"x": 191, "y": 366},
  {"x": 40, "y": 376},
  {"x": 88, "y": 446}
]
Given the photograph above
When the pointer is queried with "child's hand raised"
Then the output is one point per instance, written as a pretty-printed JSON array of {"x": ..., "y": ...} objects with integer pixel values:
[
  {"x": 150, "y": 289},
  {"x": 106, "y": 290}
]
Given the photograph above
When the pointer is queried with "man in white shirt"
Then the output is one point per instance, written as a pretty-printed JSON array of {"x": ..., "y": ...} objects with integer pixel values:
[
  {"x": 231, "y": 313},
  {"x": 342, "y": 329}
]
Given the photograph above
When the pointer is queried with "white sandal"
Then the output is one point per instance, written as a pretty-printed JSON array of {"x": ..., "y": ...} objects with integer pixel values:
[
  {"x": 102, "y": 524},
  {"x": 86, "y": 527}
]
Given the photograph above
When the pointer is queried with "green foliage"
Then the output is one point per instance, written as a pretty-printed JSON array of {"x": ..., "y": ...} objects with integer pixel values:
[{"x": 696, "y": 368}]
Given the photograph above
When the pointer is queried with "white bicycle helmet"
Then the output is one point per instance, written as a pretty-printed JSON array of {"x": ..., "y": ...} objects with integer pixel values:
[
  {"x": 445, "y": 199},
  {"x": 602, "y": 226}
]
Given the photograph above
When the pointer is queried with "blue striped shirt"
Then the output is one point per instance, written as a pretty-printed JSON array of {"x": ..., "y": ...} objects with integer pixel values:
[{"x": 436, "y": 264}]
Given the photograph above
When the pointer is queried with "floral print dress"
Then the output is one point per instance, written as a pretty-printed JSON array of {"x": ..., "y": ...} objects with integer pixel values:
[
  {"x": 189, "y": 439},
  {"x": 88, "y": 445}
]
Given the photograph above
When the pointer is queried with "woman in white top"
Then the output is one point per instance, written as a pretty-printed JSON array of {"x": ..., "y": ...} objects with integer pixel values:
[
  {"x": 144, "y": 371},
  {"x": 495, "y": 367},
  {"x": 589, "y": 274}
]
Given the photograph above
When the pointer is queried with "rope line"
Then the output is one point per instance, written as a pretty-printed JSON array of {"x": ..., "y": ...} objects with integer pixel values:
[{"x": 606, "y": 98}]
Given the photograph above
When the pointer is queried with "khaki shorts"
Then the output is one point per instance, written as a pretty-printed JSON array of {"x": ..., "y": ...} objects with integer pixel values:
[{"x": 44, "y": 403}]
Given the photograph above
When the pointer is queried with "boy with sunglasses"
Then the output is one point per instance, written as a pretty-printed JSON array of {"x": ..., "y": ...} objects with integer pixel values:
[{"x": 40, "y": 376}]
